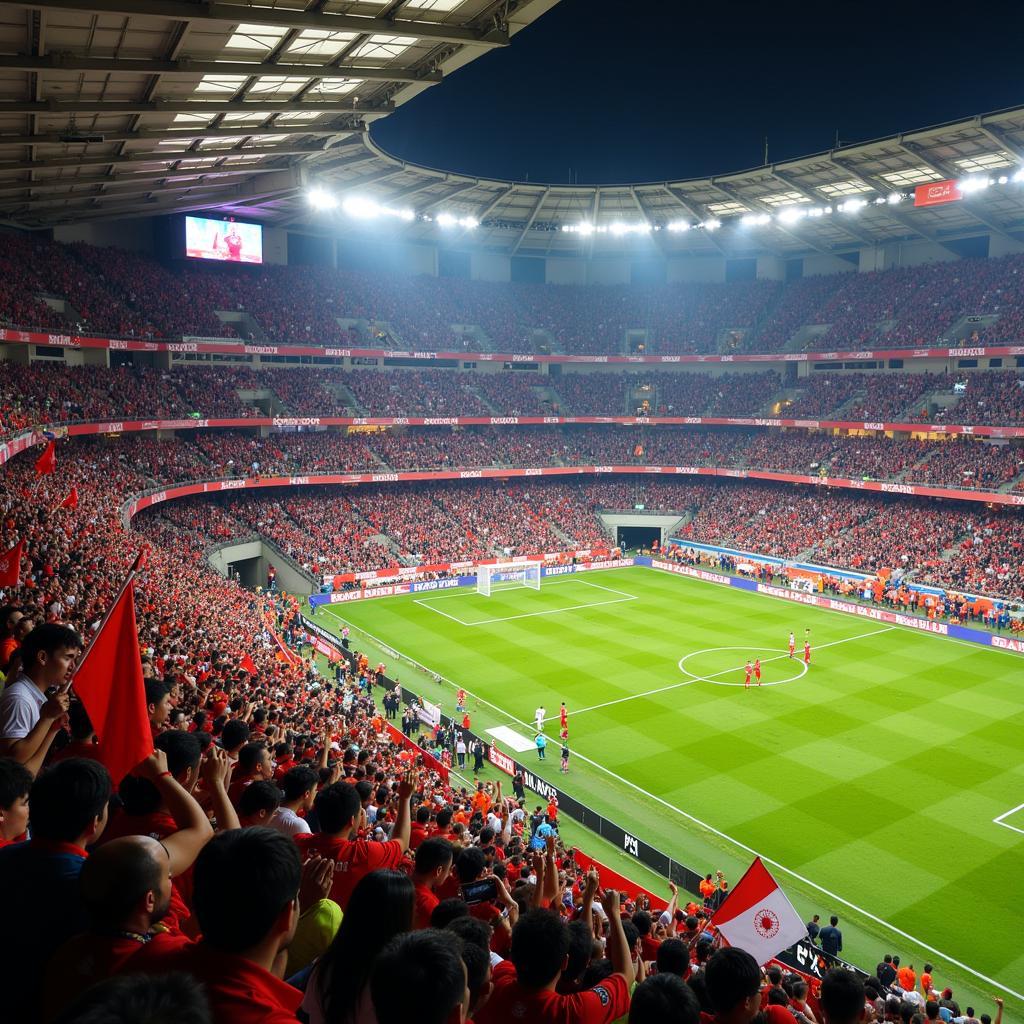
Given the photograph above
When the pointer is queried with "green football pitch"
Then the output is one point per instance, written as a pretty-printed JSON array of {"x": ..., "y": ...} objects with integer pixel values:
[{"x": 870, "y": 782}]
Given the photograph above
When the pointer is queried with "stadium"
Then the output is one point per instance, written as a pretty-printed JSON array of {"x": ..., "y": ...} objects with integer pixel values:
[{"x": 440, "y": 597}]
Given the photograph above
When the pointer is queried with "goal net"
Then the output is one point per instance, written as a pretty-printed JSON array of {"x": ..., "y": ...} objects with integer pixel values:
[{"x": 506, "y": 575}]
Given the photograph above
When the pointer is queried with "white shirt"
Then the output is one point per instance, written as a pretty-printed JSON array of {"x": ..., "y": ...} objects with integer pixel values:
[
  {"x": 287, "y": 822},
  {"x": 19, "y": 708}
]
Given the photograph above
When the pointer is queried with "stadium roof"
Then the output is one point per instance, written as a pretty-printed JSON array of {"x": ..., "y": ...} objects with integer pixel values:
[
  {"x": 122, "y": 108},
  {"x": 114, "y": 108},
  {"x": 530, "y": 219}
]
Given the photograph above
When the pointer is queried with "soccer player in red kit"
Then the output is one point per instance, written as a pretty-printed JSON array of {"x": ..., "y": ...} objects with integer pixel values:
[
  {"x": 748, "y": 669},
  {"x": 807, "y": 652},
  {"x": 792, "y": 645},
  {"x": 563, "y": 716},
  {"x": 757, "y": 670}
]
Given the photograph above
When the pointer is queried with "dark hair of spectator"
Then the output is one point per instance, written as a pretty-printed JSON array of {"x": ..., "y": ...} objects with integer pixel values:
[
  {"x": 242, "y": 882},
  {"x": 662, "y": 998},
  {"x": 66, "y": 798},
  {"x": 380, "y": 908},
  {"x": 419, "y": 976},
  {"x": 540, "y": 942}
]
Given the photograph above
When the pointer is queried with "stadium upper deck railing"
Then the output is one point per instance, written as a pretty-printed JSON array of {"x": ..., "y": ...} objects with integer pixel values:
[{"x": 13, "y": 336}]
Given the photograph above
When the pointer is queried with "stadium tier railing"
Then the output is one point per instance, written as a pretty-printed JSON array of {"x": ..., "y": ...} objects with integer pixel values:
[{"x": 53, "y": 339}]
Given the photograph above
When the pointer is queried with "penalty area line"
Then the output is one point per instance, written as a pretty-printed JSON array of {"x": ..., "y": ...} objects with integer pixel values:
[
  {"x": 742, "y": 846},
  {"x": 1006, "y": 814}
]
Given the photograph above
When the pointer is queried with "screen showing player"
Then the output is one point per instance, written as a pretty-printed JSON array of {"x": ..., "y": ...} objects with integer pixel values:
[{"x": 207, "y": 239}]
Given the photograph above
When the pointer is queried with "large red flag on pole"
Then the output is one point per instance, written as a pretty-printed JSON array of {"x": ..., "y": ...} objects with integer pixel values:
[
  {"x": 10, "y": 565},
  {"x": 109, "y": 683},
  {"x": 758, "y": 917},
  {"x": 47, "y": 462}
]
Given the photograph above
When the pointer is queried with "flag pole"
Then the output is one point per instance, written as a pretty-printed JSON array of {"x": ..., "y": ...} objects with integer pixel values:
[{"x": 137, "y": 566}]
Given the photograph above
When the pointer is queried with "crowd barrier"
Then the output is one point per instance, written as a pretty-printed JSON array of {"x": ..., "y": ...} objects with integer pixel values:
[{"x": 227, "y": 347}]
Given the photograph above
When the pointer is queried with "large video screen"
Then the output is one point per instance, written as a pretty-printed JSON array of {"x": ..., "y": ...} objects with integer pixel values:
[{"x": 230, "y": 240}]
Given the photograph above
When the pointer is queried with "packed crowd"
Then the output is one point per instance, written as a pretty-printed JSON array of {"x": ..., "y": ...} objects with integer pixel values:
[
  {"x": 47, "y": 393},
  {"x": 131, "y": 294}
]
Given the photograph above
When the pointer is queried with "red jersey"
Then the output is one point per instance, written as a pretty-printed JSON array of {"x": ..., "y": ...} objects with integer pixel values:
[
  {"x": 563, "y": 718},
  {"x": 88, "y": 958},
  {"x": 352, "y": 860},
  {"x": 807, "y": 653},
  {"x": 757, "y": 668},
  {"x": 238, "y": 990},
  {"x": 601, "y": 1004},
  {"x": 424, "y": 901}
]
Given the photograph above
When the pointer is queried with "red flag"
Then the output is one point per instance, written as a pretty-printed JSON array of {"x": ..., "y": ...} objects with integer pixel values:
[
  {"x": 758, "y": 917},
  {"x": 109, "y": 683},
  {"x": 47, "y": 462},
  {"x": 71, "y": 501},
  {"x": 247, "y": 664},
  {"x": 10, "y": 566}
]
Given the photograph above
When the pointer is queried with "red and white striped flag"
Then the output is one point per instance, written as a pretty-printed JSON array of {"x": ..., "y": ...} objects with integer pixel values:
[{"x": 758, "y": 917}]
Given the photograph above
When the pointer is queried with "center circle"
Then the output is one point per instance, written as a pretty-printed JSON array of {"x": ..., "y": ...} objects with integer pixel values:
[{"x": 738, "y": 669}]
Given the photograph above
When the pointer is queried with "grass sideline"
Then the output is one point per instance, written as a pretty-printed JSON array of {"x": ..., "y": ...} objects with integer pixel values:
[{"x": 889, "y": 751}]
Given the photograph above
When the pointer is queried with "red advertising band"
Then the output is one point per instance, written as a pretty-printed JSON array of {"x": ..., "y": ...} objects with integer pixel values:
[
  {"x": 171, "y": 493},
  {"x": 15, "y": 337}
]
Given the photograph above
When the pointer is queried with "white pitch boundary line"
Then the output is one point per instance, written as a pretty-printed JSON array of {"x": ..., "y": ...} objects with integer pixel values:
[
  {"x": 427, "y": 603},
  {"x": 713, "y": 675},
  {"x": 465, "y": 592},
  {"x": 1006, "y": 814},
  {"x": 749, "y": 849},
  {"x": 530, "y": 615}
]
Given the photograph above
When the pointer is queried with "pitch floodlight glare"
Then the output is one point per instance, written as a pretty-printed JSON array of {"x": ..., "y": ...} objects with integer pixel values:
[
  {"x": 852, "y": 205},
  {"x": 321, "y": 199},
  {"x": 894, "y": 198},
  {"x": 712, "y": 225},
  {"x": 361, "y": 208},
  {"x": 678, "y": 225},
  {"x": 977, "y": 183},
  {"x": 446, "y": 220},
  {"x": 470, "y": 222},
  {"x": 585, "y": 228},
  {"x": 1019, "y": 176},
  {"x": 792, "y": 214}
]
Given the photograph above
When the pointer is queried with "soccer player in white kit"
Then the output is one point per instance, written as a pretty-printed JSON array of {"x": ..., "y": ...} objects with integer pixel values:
[
  {"x": 538, "y": 717},
  {"x": 792, "y": 645}
]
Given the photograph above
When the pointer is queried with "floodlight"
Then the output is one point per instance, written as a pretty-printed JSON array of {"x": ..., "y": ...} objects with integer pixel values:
[
  {"x": 585, "y": 228},
  {"x": 712, "y": 225},
  {"x": 361, "y": 207},
  {"x": 678, "y": 225},
  {"x": 791, "y": 214},
  {"x": 321, "y": 199},
  {"x": 446, "y": 220},
  {"x": 975, "y": 183}
]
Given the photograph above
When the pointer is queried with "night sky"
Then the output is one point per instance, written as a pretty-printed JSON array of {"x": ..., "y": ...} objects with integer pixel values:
[{"x": 629, "y": 92}]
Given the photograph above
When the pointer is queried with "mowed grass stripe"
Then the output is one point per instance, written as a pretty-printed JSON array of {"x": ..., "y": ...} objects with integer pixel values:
[{"x": 832, "y": 775}]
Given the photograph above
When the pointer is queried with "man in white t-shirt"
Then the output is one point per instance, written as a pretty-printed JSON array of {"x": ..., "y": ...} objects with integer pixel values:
[
  {"x": 29, "y": 716},
  {"x": 299, "y": 786},
  {"x": 538, "y": 716}
]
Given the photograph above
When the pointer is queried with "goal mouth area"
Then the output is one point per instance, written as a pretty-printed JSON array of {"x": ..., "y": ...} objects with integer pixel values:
[{"x": 507, "y": 576}]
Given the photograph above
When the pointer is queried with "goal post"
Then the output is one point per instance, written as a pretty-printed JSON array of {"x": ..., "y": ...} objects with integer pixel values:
[{"x": 507, "y": 575}]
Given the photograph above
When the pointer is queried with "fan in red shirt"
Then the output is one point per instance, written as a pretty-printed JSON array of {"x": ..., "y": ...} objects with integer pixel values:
[
  {"x": 524, "y": 985},
  {"x": 246, "y": 900},
  {"x": 340, "y": 815},
  {"x": 433, "y": 866}
]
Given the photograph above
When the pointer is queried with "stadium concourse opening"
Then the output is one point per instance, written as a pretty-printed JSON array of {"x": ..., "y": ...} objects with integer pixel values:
[{"x": 638, "y": 538}]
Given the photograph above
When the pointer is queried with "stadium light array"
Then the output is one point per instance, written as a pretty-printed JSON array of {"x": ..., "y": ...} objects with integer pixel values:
[{"x": 364, "y": 208}]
